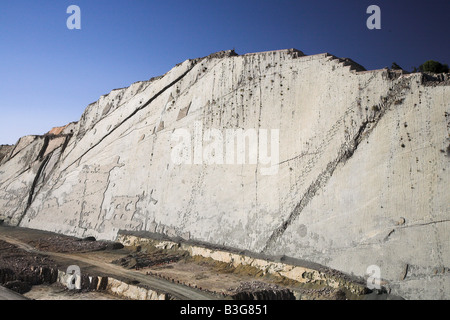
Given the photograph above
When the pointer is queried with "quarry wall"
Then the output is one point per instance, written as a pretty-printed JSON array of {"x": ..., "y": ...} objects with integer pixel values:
[{"x": 351, "y": 170}]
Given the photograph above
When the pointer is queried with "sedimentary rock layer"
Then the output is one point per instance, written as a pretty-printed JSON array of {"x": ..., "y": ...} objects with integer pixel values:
[{"x": 351, "y": 171}]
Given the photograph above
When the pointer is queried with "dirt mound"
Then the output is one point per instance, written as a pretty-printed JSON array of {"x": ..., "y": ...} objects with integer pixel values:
[
  {"x": 20, "y": 269},
  {"x": 140, "y": 260},
  {"x": 256, "y": 290},
  {"x": 64, "y": 244}
]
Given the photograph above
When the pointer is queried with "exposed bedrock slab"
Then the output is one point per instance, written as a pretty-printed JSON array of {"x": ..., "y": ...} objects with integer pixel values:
[{"x": 361, "y": 174}]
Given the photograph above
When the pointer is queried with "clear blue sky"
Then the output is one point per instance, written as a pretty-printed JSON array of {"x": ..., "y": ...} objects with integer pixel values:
[{"x": 49, "y": 74}]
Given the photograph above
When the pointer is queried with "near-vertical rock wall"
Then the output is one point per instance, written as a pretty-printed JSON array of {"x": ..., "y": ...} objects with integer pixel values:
[{"x": 361, "y": 173}]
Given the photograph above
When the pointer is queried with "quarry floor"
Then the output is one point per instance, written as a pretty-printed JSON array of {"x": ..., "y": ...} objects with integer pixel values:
[{"x": 182, "y": 276}]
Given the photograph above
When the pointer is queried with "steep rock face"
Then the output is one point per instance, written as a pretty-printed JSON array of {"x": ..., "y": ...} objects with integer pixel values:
[{"x": 351, "y": 166}]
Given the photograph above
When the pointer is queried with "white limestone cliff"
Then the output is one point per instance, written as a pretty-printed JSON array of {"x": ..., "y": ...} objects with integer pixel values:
[{"x": 362, "y": 177}]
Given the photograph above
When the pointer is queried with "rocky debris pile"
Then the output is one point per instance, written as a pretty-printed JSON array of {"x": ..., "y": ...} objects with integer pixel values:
[
  {"x": 66, "y": 244},
  {"x": 257, "y": 290},
  {"x": 141, "y": 259},
  {"x": 326, "y": 293},
  {"x": 19, "y": 269}
]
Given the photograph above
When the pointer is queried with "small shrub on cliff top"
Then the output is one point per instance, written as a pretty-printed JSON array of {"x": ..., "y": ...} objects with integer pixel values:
[{"x": 434, "y": 67}]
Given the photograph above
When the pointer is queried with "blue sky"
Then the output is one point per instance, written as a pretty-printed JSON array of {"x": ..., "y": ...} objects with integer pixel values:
[{"x": 49, "y": 74}]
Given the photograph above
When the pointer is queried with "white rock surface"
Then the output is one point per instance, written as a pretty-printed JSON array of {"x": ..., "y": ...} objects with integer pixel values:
[{"x": 362, "y": 178}]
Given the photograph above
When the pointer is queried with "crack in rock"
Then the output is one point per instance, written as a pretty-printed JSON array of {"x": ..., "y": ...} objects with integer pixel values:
[{"x": 345, "y": 152}]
